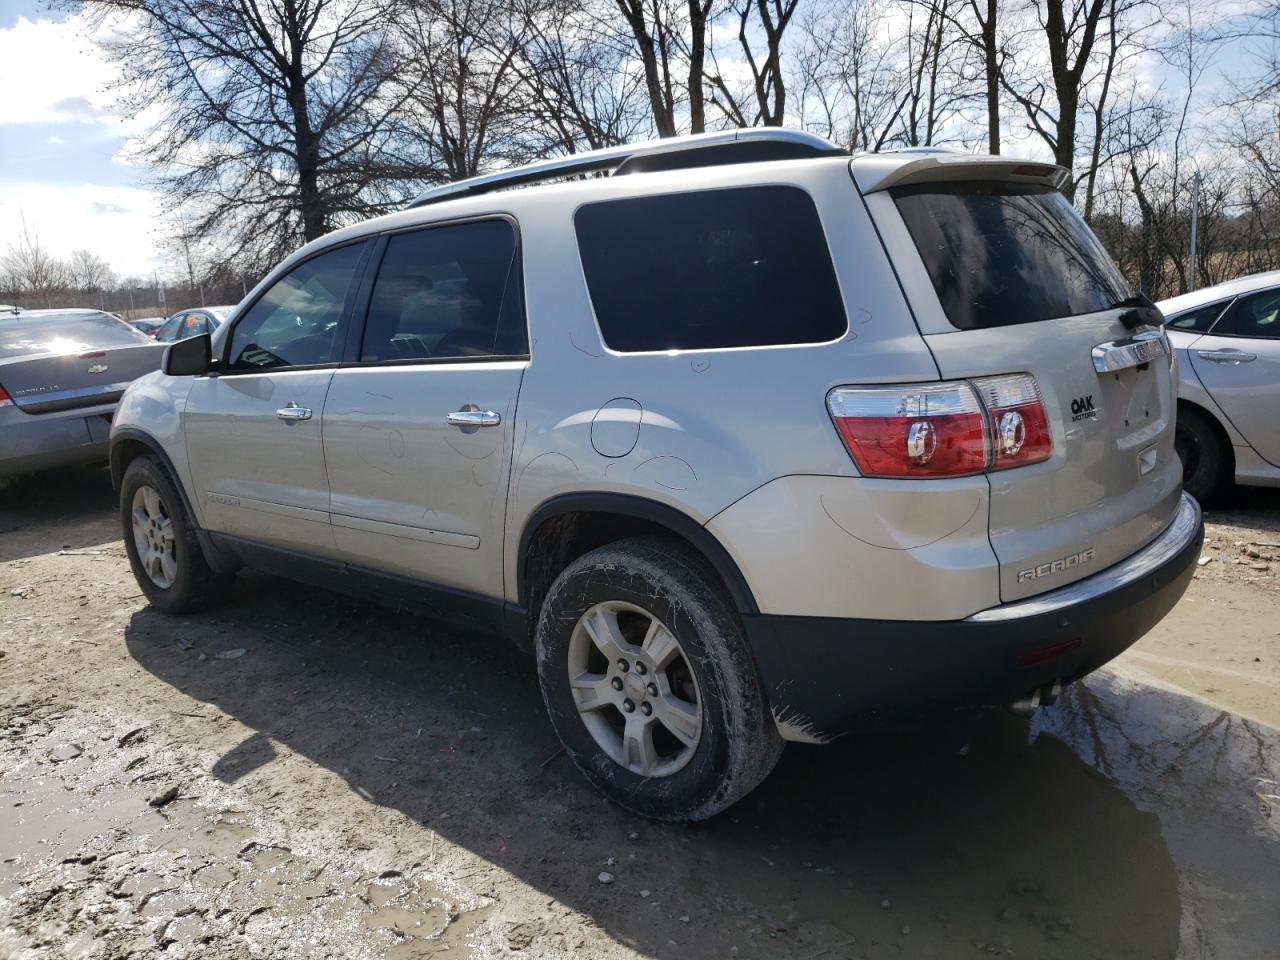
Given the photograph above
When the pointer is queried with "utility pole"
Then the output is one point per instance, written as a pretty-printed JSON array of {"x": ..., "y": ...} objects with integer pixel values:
[{"x": 1195, "y": 217}]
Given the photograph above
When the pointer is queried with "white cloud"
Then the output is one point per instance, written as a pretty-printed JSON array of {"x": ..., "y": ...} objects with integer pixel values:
[
  {"x": 120, "y": 224},
  {"x": 61, "y": 74}
]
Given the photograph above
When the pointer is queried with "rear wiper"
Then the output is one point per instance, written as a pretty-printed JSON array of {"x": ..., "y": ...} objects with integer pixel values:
[{"x": 1139, "y": 310}]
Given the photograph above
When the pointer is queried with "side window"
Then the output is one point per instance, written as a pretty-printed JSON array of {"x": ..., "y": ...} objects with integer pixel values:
[
  {"x": 444, "y": 292},
  {"x": 719, "y": 268},
  {"x": 1257, "y": 315},
  {"x": 1198, "y": 320},
  {"x": 296, "y": 322},
  {"x": 168, "y": 331}
]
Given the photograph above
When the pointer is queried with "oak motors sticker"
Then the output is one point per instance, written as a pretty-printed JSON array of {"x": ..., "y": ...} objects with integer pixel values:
[
  {"x": 1056, "y": 566},
  {"x": 1082, "y": 409}
]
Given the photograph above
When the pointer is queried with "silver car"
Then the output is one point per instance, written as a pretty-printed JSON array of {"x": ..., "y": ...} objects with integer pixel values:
[
  {"x": 61, "y": 373},
  {"x": 749, "y": 442},
  {"x": 1227, "y": 339}
]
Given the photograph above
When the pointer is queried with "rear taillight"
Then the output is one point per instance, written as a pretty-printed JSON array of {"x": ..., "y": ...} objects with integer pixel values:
[
  {"x": 5, "y": 399},
  {"x": 1019, "y": 426},
  {"x": 948, "y": 429},
  {"x": 917, "y": 430}
]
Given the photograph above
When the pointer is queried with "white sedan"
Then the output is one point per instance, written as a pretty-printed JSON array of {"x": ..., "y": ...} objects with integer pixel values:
[{"x": 1227, "y": 341}]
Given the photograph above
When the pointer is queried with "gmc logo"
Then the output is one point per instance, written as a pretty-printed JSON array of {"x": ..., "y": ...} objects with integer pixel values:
[{"x": 1055, "y": 566}]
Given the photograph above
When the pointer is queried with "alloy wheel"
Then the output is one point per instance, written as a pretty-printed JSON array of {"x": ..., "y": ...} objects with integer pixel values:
[{"x": 634, "y": 688}]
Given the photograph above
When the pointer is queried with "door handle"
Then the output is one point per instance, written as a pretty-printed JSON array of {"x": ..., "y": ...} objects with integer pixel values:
[
  {"x": 474, "y": 418},
  {"x": 291, "y": 412},
  {"x": 1226, "y": 356}
]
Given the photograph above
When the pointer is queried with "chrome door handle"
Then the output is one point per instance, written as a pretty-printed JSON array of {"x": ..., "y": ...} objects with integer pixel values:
[
  {"x": 474, "y": 418},
  {"x": 291, "y": 412},
  {"x": 1226, "y": 356}
]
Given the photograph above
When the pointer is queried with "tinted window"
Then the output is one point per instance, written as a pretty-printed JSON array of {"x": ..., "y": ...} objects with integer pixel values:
[
  {"x": 1000, "y": 254},
  {"x": 296, "y": 322},
  {"x": 443, "y": 292},
  {"x": 718, "y": 268},
  {"x": 1257, "y": 315},
  {"x": 1199, "y": 319},
  {"x": 65, "y": 334}
]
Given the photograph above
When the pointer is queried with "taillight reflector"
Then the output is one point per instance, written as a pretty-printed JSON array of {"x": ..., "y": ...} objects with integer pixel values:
[
  {"x": 5, "y": 399},
  {"x": 948, "y": 429}
]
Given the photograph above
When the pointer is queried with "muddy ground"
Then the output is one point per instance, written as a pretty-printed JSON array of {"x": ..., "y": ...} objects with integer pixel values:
[{"x": 299, "y": 775}]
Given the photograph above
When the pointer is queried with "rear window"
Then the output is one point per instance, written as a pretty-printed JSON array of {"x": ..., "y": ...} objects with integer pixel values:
[
  {"x": 719, "y": 268},
  {"x": 1000, "y": 254},
  {"x": 65, "y": 335}
]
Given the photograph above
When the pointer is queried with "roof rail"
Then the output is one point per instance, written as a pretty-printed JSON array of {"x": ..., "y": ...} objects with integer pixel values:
[{"x": 696, "y": 150}]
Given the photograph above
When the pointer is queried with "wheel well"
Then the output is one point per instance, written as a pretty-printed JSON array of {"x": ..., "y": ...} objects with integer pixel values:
[
  {"x": 123, "y": 453},
  {"x": 1228, "y": 449},
  {"x": 558, "y": 535}
]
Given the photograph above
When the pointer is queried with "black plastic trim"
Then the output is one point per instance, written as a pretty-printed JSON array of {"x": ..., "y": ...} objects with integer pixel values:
[
  {"x": 642, "y": 509},
  {"x": 447, "y": 604},
  {"x": 827, "y": 676}
]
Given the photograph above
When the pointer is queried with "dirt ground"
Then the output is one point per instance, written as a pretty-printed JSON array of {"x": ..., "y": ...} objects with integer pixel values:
[{"x": 299, "y": 775}]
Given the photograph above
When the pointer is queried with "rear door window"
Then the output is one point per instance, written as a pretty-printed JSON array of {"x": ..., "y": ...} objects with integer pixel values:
[
  {"x": 1256, "y": 315},
  {"x": 446, "y": 292},
  {"x": 1000, "y": 254},
  {"x": 738, "y": 267}
]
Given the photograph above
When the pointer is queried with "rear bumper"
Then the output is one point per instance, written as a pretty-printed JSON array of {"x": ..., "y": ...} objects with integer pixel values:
[
  {"x": 825, "y": 676},
  {"x": 42, "y": 442}
]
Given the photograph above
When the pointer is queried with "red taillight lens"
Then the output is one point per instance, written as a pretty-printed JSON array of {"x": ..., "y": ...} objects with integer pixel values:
[
  {"x": 915, "y": 430},
  {"x": 948, "y": 429},
  {"x": 1019, "y": 426},
  {"x": 5, "y": 399}
]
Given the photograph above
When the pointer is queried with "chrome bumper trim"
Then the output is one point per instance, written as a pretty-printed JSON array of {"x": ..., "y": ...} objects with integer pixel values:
[{"x": 1176, "y": 536}]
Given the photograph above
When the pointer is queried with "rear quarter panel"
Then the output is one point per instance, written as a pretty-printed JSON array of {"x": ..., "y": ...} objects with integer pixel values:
[{"x": 695, "y": 430}]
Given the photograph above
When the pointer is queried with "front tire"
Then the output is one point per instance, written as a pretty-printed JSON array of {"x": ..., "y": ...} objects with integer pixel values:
[
  {"x": 650, "y": 683},
  {"x": 1203, "y": 454},
  {"x": 161, "y": 542}
]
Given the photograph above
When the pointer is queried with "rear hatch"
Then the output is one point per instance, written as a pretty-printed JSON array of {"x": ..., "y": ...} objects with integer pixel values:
[
  {"x": 1005, "y": 277},
  {"x": 68, "y": 361}
]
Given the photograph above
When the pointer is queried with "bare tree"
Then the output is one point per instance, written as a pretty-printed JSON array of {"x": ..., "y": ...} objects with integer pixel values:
[
  {"x": 577, "y": 90},
  {"x": 459, "y": 77},
  {"x": 764, "y": 103},
  {"x": 88, "y": 272},
  {"x": 276, "y": 115},
  {"x": 655, "y": 29},
  {"x": 31, "y": 270}
]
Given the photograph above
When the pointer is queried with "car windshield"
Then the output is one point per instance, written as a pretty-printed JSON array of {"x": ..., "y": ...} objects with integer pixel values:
[
  {"x": 65, "y": 334},
  {"x": 1000, "y": 254}
]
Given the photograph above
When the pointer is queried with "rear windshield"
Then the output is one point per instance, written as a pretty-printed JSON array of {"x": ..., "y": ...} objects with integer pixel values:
[
  {"x": 69, "y": 334},
  {"x": 1000, "y": 254},
  {"x": 737, "y": 267}
]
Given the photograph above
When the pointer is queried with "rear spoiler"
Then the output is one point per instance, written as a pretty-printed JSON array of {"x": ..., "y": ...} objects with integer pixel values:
[{"x": 880, "y": 171}]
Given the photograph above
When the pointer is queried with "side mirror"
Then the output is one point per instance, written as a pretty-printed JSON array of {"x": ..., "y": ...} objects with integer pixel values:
[{"x": 188, "y": 358}]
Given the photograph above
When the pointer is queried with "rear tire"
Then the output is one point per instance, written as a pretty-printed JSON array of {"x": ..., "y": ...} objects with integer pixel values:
[
  {"x": 1204, "y": 455},
  {"x": 681, "y": 729},
  {"x": 161, "y": 542}
]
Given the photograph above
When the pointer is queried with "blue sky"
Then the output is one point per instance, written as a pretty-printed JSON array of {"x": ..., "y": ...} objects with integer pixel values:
[{"x": 64, "y": 167}]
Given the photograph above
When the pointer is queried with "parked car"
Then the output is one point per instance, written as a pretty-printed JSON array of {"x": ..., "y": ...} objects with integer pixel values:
[
  {"x": 148, "y": 325},
  {"x": 751, "y": 444},
  {"x": 61, "y": 374},
  {"x": 192, "y": 323},
  {"x": 1227, "y": 340}
]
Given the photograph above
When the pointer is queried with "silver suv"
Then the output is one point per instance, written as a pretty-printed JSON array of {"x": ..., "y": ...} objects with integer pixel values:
[{"x": 749, "y": 441}]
